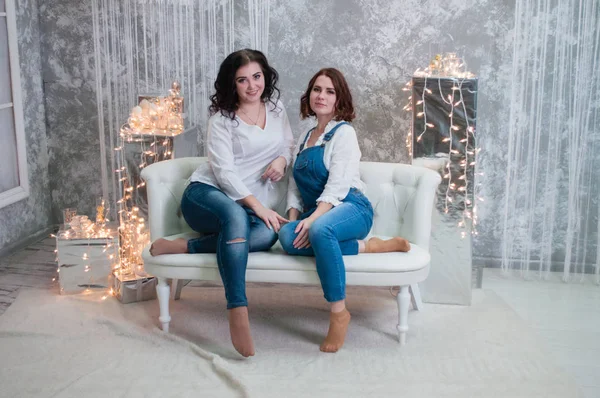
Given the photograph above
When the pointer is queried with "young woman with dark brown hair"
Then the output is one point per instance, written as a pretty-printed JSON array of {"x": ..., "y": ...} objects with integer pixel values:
[
  {"x": 230, "y": 199},
  {"x": 328, "y": 210}
]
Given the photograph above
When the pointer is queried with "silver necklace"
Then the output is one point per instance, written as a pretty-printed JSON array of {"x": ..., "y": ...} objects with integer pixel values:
[{"x": 254, "y": 122}]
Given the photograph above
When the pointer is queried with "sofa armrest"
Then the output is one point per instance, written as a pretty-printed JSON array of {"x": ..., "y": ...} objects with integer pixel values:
[
  {"x": 165, "y": 183},
  {"x": 402, "y": 196},
  {"x": 419, "y": 210}
]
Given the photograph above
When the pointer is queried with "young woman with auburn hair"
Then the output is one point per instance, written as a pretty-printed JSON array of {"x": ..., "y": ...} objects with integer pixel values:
[{"x": 328, "y": 210}]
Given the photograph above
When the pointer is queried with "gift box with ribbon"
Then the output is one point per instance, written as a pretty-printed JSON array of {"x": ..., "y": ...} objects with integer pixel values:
[{"x": 131, "y": 288}]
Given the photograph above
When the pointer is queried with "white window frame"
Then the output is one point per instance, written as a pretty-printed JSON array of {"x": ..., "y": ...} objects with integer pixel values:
[{"x": 22, "y": 191}]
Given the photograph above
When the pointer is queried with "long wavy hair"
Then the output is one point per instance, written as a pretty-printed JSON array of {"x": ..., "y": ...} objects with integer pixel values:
[{"x": 225, "y": 99}]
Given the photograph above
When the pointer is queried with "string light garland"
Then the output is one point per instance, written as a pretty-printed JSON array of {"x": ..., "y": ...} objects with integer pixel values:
[
  {"x": 151, "y": 124},
  {"x": 155, "y": 119},
  {"x": 443, "y": 85},
  {"x": 93, "y": 237},
  {"x": 138, "y": 49}
]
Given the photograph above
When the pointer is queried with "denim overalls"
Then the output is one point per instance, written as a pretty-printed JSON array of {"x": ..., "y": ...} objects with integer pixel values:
[{"x": 335, "y": 233}]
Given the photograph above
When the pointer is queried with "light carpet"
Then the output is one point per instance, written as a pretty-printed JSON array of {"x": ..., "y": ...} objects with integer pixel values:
[{"x": 72, "y": 346}]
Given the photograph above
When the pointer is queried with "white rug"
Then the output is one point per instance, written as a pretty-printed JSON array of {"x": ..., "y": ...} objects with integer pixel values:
[{"x": 73, "y": 346}]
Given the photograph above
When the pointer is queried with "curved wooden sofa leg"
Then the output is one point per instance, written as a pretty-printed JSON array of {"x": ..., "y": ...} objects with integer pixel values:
[
  {"x": 403, "y": 300},
  {"x": 163, "y": 292}
]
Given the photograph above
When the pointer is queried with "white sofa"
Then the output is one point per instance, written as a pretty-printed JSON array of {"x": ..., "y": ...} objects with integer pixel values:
[{"x": 402, "y": 197}]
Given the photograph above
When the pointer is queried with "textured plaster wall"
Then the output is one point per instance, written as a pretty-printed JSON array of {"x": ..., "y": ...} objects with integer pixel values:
[
  {"x": 376, "y": 43},
  {"x": 69, "y": 87}
]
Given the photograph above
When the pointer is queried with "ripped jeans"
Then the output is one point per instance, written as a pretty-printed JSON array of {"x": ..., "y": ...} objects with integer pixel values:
[{"x": 230, "y": 230}]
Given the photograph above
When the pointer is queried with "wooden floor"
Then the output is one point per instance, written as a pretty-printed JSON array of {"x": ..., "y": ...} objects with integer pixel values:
[{"x": 33, "y": 267}]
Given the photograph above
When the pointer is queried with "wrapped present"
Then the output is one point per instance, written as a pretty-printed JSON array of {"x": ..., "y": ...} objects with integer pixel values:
[
  {"x": 132, "y": 288},
  {"x": 85, "y": 262}
]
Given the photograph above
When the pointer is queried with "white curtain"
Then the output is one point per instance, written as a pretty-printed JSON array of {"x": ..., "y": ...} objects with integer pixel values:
[
  {"x": 552, "y": 204},
  {"x": 142, "y": 46}
]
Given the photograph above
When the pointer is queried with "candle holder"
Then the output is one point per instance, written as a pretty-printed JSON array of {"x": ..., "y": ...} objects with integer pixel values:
[{"x": 68, "y": 215}]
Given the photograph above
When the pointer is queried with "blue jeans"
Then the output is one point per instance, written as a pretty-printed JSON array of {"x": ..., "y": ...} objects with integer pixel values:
[
  {"x": 331, "y": 236},
  {"x": 232, "y": 231}
]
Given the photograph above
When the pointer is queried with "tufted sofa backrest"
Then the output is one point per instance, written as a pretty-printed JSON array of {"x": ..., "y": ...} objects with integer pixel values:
[{"x": 400, "y": 194}]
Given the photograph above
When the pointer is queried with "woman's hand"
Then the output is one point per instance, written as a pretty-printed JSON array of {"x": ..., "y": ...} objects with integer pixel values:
[
  {"x": 271, "y": 218},
  {"x": 301, "y": 241},
  {"x": 276, "y": 170}
]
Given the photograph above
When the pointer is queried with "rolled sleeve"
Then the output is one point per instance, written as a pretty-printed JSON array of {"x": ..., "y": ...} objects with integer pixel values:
[
  {"x": 220, "y": 155},
  {"x": 331, "y": 199}
]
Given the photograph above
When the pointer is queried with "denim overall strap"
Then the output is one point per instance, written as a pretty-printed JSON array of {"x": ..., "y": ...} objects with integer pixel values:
[
  {"x": 329, "y": 135},
  {"x": 310, "y": 172}
]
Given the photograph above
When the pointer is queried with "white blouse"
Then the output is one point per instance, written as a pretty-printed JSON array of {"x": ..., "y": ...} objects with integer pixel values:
[
  {"x": 239, "y": 153},
  {"x": 342, "y": 159}
]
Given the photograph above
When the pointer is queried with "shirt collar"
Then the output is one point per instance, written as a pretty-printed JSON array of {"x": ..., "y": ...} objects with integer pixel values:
[{"x": 332, "y": 123}]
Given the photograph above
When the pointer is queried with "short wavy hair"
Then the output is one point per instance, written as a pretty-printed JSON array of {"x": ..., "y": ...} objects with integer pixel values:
[
  {"x": 344, "y": 109},
  {"x": 225, "y": 99}
]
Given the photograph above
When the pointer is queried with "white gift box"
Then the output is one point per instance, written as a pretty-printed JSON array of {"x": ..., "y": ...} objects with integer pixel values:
[
  {"x": 132, "y": 288},
  {"x": 85, "y": 263}
]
